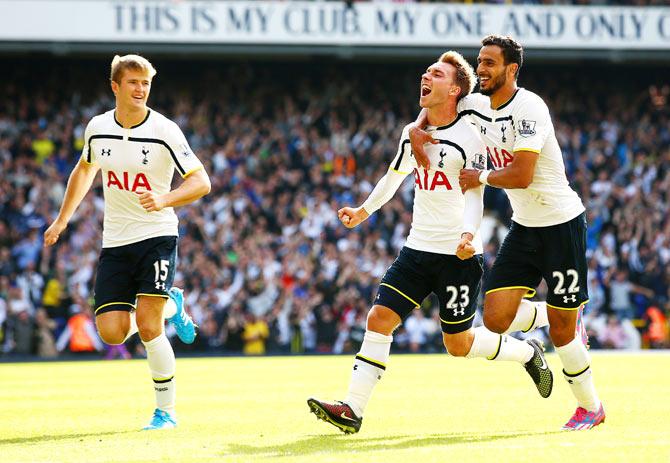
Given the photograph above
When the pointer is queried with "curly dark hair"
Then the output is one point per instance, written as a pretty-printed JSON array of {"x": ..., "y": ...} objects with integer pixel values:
[{"x": 511, "y": 49}]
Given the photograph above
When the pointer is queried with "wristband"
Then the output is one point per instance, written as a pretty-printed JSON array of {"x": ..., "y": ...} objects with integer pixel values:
[{"x": 484, "y": 177}]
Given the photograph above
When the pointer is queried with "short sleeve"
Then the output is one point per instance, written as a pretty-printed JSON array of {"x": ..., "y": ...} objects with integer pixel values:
[
  {"x": 87, "y": 152},
  {"x": 402, "y": 163},
  {"x": 532, "y": 125},
  {"x": 186, "y": 162}
]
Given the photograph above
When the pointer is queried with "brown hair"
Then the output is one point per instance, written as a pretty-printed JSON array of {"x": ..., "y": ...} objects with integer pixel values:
[
  {"x": 134, "y": 62},
  {"x": 465, "y": 74}
]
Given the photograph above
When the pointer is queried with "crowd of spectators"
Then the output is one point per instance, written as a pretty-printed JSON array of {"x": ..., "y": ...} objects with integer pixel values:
[{"x": 264, "y": 262}]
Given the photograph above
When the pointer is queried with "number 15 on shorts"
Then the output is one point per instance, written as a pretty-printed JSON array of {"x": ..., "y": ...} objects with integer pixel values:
[{"x": 161, "y": 268}]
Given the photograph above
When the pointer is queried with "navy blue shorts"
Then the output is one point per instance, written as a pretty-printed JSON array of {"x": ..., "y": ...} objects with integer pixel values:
[
  {"x": 125, "y": 272},
  {"x": 415, "y": 274},
  {"x": 556, "y": 253}
]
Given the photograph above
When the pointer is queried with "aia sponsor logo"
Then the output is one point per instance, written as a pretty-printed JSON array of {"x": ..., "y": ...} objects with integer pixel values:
[
  {"x": 430, "y": 180},
  {"x": 128, "y": 182},
  {"x": 499, "y": 158}
]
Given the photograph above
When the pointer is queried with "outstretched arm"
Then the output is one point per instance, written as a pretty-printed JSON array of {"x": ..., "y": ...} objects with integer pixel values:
[
  {"x": 380, "y": 195},
  {"x": 78, "y": 184}
]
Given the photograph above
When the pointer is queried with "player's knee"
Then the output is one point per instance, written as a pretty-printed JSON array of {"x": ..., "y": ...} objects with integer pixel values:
[
  {"x": 457, "y": 346},
  {"x": 381, "y": 320},
  {"x": 495, "y": 323},
  {"x": 148, "y": 332},
  {"x": 561, "y": 335},
  {"x": 111, "y": 335}
]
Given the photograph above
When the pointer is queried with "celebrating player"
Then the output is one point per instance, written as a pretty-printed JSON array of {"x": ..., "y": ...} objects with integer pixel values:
[
  {"x": 442, "y": 254},
  {"x": 137, "y": 150},
  {"x": 548, "y": 234}
]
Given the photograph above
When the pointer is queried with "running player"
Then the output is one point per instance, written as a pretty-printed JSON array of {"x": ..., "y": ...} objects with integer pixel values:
[
  {"x": 548, "y": 234},
  {"x": 442, "y": 254},
  {"x": 137, "y": 150}
]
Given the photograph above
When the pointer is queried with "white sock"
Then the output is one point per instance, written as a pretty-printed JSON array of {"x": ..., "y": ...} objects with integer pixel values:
[
  {"x": 369, "y": 365},
  {"x": 500, "y": 347},
  {"x": 162, "y": 365},
  {"x": 170, "y": 308},
  {"x": 577, "y": 372},
  {"x": 529, "y": 316}
]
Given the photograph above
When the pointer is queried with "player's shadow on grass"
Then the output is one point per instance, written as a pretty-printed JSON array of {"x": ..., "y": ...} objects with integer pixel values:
[
  {"x": 57, "y": 437},
  {"x": 340, "y": 443}
]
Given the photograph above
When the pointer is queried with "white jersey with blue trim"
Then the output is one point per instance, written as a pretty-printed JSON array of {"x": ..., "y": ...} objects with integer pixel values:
[
  {"x": 141, "y": 158},
  {"x": 524, "y": 124},
  {"x": 438, "y": 215}
]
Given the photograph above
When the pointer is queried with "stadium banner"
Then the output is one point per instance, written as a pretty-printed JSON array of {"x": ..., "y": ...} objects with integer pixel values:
[{"x": 332, "y": 23}]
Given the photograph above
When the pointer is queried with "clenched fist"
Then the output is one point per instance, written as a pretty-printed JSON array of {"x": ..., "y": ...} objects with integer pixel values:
[
  {"x": 52, "y": 233},
  {"x": 150, "y": 201},
  {"x": 465, "y": 249},
  {"x": 352, "y": 216}
]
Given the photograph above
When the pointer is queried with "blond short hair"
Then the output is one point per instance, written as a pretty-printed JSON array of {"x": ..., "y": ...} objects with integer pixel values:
[
  {"x": 465, "y": 74},
  {"x": 134, "y": 62}
]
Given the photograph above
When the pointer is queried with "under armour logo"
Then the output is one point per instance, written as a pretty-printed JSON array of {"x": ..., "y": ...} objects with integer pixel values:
[
  {"x": 145, "y": 151},
  {"x": 482, "y": 129},
  {"x": 459, "y": 311},
  {"x": 106, "y": 152},
  {"x": 160, "y": 285},
  {"x": 502, "y": 129},
  {"x": 441, "y": 163},
  {"x": 572, "y": 298}
]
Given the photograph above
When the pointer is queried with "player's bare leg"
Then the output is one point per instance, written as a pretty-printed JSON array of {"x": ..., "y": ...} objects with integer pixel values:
[
  {"x": 369, "y": 365},
  {"x": 576, "y": 369},
  {"x": 114, "y": 327},
  {"x": 501, "y": 307},
  {"x": 160, "y": 357}
]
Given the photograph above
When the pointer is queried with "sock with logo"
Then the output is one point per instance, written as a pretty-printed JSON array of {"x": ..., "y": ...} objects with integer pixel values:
[
  {"x": 577, "y": 372},
  {"x": 500, "y": 347},
  {"x": 162, "y": 365},
  {"x": 529, "y": 316},
  {"x": 369, "y": 366}
]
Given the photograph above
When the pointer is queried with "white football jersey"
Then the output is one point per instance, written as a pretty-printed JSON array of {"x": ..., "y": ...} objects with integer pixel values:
[
  {"x": 438, "y": 210},
  {"x": 524, "y": 124},
  {"x": 141, "y": 158}
]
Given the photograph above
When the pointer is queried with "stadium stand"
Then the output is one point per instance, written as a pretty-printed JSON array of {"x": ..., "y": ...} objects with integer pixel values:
[{"x": 288, "y": 143}]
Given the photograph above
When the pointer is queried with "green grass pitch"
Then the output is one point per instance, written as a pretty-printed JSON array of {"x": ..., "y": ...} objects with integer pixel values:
[{"x": 426, "y": 408}]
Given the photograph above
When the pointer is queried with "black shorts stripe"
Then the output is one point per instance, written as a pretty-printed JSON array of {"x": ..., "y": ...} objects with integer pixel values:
[
  {"x": 111, "y": 307},
  {"x": 370, "y": 362},
  {"x": 161, "y": 381}
]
